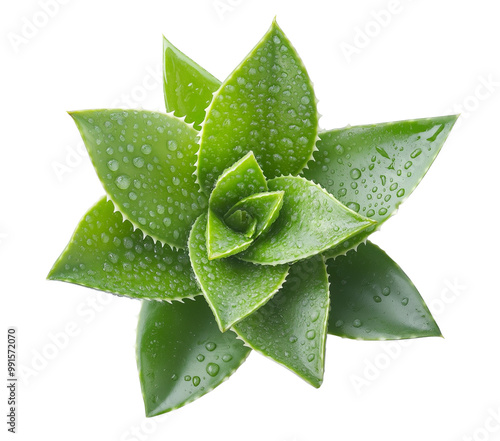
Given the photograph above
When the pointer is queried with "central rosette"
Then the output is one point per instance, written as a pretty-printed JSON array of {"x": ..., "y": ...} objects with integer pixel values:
[
  {"x": 242, "y": 250},
  {"x": 241, "y": 209}
]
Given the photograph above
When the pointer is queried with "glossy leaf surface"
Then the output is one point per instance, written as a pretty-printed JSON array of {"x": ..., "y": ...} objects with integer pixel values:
[
  {"x": 267, "y": 106},
  {"x": 145, "y": 161},
  {"x": 233, "y": 289},
  {"x": 222, "y": 241},
  {"x": 188, "y": 88},
  {"x": 181, "y": 354},
  {"x": 106, "y": 253},
  {"x": 373, "y": 168},
  {"x": 373, "y": 299},
  {"x": 291, "y": 328},
  {"x": 244, "y": 178},
  {"x": 310, "y": 221}
]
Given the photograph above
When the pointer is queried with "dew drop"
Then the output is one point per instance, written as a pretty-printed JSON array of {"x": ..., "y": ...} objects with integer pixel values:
[
  {"x": 227, "y": 358},
  {"x": 187, "y": 378},
  {"x": 212, "y": 369},
  {"x": 200, "y": 357},
  {"x": 386, "y": 291},
  {"x": 355, "y": 173},
  {"x": 292, "y": 339},
  {"x": 113, "y": 165},
  {"x": 138, "y": 162},
  {"x": 172, "y": 145},
  {"x": 310, "y": 334},
  {"x": 210, "y": 346},
  {"x": 122, "y": 182},
  {"x": 196, "y": 381},
  {"x": 416, "y": 153},
  {"x": 311, "y": 357},
  {"x": 146, "y": 149},
  {"x": 401, "y": 192},
  {"x": 404, "y": 301},
  {"x": 377, "y": 299},
  {"x": 357, "y": 323},
  {"x": 354, "y": 206}
]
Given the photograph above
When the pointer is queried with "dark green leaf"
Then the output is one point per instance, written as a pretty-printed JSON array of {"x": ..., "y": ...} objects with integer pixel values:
[
  {"x": 373, "y": 299},
  {"x": 181, "y": 354}
]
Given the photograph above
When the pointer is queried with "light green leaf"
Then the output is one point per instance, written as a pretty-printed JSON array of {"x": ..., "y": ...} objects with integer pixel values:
[
  {"x": 373, "y": 299},
  {"x": 188, "y": 88},
  {"x": 371, "y": 169},
  {"x": 222, "y": 241},
  {"x": 181, "y": 354},
  {"x": 310, "y": 221},
  {"x": 106, "y": 253},
  {"x": 267, "y": 106},
  {"x": 145, "y": 161},
  {"x": 244, "y": 178},
  {"x": 291, "y": 327},
  {"x": 263, "y": 208},
  {"x": 233, "y": 289}
]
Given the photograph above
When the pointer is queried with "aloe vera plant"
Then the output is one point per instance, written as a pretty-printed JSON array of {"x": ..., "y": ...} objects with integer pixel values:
[{"x": 241, "y": 225}]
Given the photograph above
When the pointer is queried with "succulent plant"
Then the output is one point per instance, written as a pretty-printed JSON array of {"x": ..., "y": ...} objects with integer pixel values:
[{"x": 241, "y": 225}]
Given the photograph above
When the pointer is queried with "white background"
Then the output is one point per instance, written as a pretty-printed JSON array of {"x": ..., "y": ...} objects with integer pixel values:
[{"x": 428, "y": 58}]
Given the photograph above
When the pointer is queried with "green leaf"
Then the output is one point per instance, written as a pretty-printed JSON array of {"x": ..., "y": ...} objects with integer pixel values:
[
  {"x": 310, "y": 221},
  {"x": 106, "y": 253},
  {"x": 373, "y": 299},
  {"x": 263, "y": 208},
  {"x": 145, "y": 161},
  {"x": 181, "y": 354},
  {"x": 291, "y": 327},
  {"x": 221, "y": 240},
  {"x": 244, "y": 178},
  {"x": 242, "y": 222},
  {"x": 371, "y": 169},
  {"x": 188, "y": 88},
  {"x": 267, "y": 106},
  {"x": 233, "y": 289}
]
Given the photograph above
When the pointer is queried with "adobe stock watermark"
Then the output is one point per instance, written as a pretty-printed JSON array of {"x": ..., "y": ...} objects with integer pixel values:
[
  {"x": 74, "y": 155},
  {"x": 144, "y": 430},
  {"x": 371, "y": 29},
  {"x": 489, "y": 426},
  {"x": 372, "y": 369},
  {"x": 485, "y": 87},
  {"x": 224, "y": 7},
  {"x": 86, "y": 312},
  {"x": 30, "y": 26}
]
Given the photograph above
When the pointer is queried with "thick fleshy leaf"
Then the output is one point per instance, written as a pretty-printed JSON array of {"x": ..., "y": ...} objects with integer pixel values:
[
  {"x": 233, "y": 289},
  {"x": 373, "y": 299},
  {"x": 181, "y": 354},
  {"x": 222, "y": 241},
  {"x": 106, "y": 253},
  {"x": 244, "y": 178},
  {"x": 145, "y": 161},
  {"x": 266, "y": 105},
  {"x": 187, "y": 86},
  {"x": 264, "y": 208},
  {"x": 371, "y": 169},
  {"x": 310, "y": 221},
  {"x": 291, "y": 327}
]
